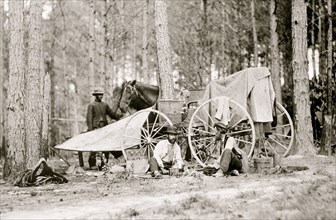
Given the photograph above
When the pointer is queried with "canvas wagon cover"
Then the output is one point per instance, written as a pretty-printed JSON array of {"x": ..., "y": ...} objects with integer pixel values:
[
  {"x": 252, "y": 88},
  {"x": 110, "y": 137}
]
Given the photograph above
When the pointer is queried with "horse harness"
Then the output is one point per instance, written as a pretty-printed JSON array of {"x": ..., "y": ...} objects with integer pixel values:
[{"x": 137, "y": 93}]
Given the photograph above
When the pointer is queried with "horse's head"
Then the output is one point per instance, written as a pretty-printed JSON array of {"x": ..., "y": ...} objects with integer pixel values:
[
  {"x": 128, "y": 89},
  {"x": 117, "y": 99},
  {"x": 137, "y": 96}
]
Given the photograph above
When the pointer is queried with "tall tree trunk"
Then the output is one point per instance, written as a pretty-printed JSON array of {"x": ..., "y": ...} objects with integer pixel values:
[
  {"x": 92, "y": 45},
  {"x": 204, "y": 39},
  {"x": 51, "y": 71},
  {"x": 2, "y": 73},
  {"x": 45, "y": 116},
  {"x": 104, "y": 49},
  {"x": 145, "y": 73},
  {"x": 313, "y": 38},
  {"x": 330, "y": 103},
  {"x": 321, "y": 41},
  {"x": 254, "y": 30},
  {"x": 111, "y": 46},
  {"x": 302, "y": 117},
  {"x": 32, "y": 105},
  {"x": 124, "y": 37},
  {"x": 65, "y": 73},
  {"x": 275, "y": 63},
  {"x": 134, "y": 38},
  {"x": 164, "y": 50},
  {"x": 15, "y": 161}
]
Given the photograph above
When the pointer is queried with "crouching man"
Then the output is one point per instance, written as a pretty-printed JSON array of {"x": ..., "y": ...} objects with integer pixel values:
[
  {"x": 167, "y": 154},
  {"x": 233, "y": 160}
]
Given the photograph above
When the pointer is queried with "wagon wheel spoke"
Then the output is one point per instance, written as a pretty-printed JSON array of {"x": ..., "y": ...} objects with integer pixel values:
[
  {"x": 203, "y": 131},
  {"x": 280, "y": 144},
  {"x": 147, "y": 123},
  {"x": 239, "y": 132},
  {"x": 154, "y": 123},
  {"x": 138, "y": 132},
  {"x": 157, "y": 130},
  {"x": 244, "y": 141},
  {"x": 270, "y": 145},
  {"x": 209, "y": 116},
  {"x": 281, "y": 135},
  {"x": 280, "y": 126},
  {"x": 145, "y": 132},
  {"x": 198, "y": 140},
  {"x": 204, "y": 122}
]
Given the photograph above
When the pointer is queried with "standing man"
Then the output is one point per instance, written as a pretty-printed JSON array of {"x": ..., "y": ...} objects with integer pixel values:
[
  {"x": 167, "y": 154},
  {"x": 97, "y": 118}
]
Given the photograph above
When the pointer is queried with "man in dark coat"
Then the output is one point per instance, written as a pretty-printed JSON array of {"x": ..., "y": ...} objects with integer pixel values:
[{"x": 97, "y": 118}]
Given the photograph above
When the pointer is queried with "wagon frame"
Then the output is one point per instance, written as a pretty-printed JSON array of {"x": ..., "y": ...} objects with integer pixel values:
[{"x": 198, "y": 127}]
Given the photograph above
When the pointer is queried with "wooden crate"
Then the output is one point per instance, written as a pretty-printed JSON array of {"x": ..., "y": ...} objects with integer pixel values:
[{"x": 172, "y": 109}]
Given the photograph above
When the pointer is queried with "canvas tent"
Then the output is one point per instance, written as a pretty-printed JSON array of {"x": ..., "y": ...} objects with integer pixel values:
[{"x": 110, "y": 137}]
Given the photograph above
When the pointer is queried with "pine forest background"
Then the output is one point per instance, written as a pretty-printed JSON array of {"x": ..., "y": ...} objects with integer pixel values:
[{"x": 87, "y": 43}]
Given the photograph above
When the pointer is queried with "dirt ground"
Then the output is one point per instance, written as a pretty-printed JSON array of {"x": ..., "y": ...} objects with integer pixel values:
[{"x": 286, "y": 193}]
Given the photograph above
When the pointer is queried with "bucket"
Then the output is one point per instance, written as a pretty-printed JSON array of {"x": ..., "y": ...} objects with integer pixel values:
[{"x": 262, "y": 163}]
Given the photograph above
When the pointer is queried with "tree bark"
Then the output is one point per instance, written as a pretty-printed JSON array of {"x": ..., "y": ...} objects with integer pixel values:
[
  {"x": 313, "y": 38},
  {"x": 32, "y": 105},
  {"x": 164, "y": 50},
  {"x": 2, "y": 73},
  {"x": 50, "y": 69},
  {"x": 15, "y": 161},
  {"x": 65, "y": 72},
  {"x": 145, "y": 73},
  {"x": 302, "y": 117},
  {"x": 45, "y": 116},
  {"x": 103, "y": 47},
  {"x": 92, "y": 45},
  {"x": 254, "y": 30},
  {"x": 275, "y": 56},
  {"x": 330, "y": 102}
]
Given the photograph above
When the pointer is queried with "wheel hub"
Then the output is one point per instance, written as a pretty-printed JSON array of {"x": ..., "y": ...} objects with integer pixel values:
[{"x": 149, "y": 140}]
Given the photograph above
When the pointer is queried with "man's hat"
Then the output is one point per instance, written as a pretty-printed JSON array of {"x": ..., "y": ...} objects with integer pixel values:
[
  {"x": 171, "y": 130},
  {"x": 98, "y": 91},
  {"x": 221, "y": 125}
]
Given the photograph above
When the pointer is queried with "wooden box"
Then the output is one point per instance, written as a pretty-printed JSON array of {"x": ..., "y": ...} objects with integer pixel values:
[{"x": 172, "y": 109}]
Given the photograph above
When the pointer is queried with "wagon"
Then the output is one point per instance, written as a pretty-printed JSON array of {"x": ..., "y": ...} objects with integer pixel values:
[{"x": 243, "y": 101}]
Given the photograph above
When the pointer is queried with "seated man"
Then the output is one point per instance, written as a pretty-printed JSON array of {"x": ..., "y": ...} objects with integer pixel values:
[
  {"x": 232, "y": 160},
  {"x": 167, "y": 154}
]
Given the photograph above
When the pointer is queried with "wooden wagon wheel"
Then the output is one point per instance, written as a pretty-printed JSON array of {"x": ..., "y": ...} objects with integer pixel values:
[
  {"x": 281, "y": 137},
  {"x": 202, "y": 134},
  {"x": 146, "y": 135}
]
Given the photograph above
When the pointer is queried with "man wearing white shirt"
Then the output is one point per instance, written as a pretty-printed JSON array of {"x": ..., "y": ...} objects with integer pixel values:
[{"x": 167, "y": 154}]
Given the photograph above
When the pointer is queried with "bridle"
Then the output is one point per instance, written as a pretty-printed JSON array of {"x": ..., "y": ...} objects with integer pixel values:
[{"x": 135, "y": 91}]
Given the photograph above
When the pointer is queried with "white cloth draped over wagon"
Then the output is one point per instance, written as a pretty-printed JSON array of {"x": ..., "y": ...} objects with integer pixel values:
[
  {"x": 108, "y": 138},
  {"x": 251, "y": 88}
]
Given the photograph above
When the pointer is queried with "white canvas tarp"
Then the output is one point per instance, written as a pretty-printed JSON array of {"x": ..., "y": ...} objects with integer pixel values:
[
  {"x": 251, "y": 88},
  {"x": 110, "y": 137}
]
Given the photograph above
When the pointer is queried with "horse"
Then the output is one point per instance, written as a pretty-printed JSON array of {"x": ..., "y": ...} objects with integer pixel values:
[{"x": 137, "y": 96}]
